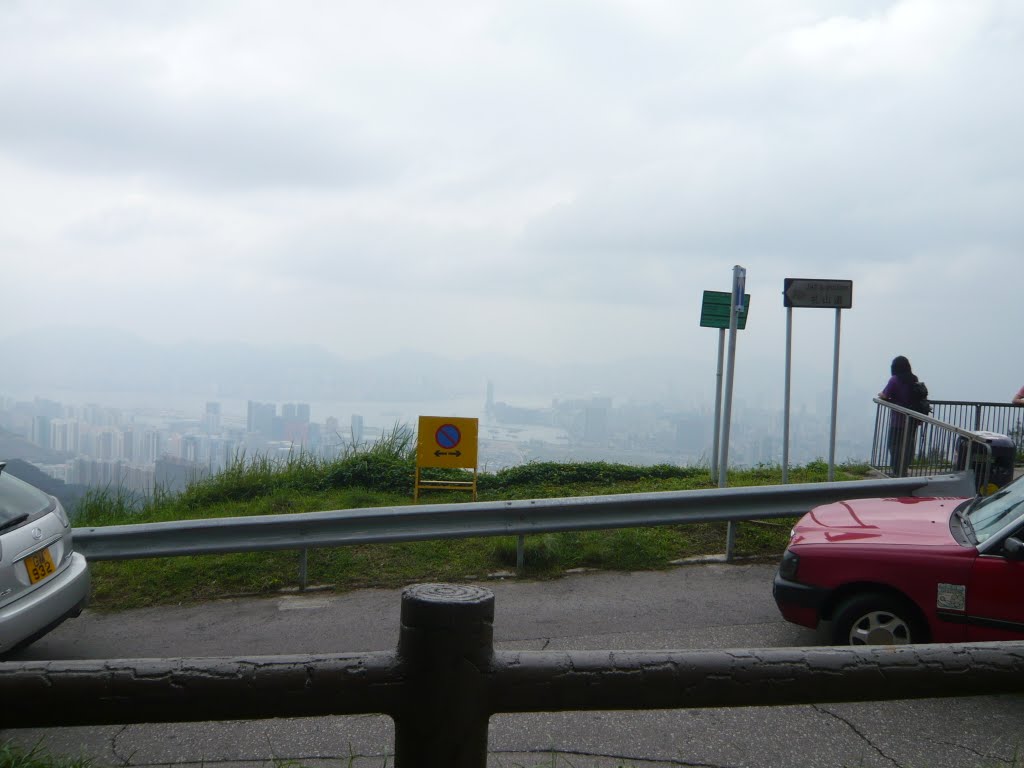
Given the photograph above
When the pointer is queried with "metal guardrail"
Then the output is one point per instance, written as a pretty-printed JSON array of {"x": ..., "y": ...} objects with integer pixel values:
[
  {"x": 1004, "y": 418},
  {"x": 492, "y": 518},
  {"x": 907, "y": 443},
  {"x": 445, "y": 680}
]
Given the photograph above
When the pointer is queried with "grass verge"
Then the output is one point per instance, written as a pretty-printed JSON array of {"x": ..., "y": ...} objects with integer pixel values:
[
  {"x": 383, "y": 476},
  {"x": 13, "y": 756}
]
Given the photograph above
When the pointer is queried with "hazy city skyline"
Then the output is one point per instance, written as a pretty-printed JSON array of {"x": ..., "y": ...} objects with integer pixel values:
[{"x": 90, "y": 442}]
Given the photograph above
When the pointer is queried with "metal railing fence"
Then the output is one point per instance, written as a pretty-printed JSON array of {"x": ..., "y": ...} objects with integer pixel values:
[
  {"x": 1004, "y": 418},
  {"x": 445, "y": 680},
  {"x": 908, "y": 444}
]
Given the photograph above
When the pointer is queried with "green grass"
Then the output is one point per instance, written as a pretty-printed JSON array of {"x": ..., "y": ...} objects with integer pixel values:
[
  {"x": 383, "y": 476},
  {"x": 13, "y": 756}
]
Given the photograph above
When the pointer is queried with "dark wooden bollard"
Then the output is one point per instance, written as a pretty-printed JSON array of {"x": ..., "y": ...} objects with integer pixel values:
[{"x": 445, "y": 650}]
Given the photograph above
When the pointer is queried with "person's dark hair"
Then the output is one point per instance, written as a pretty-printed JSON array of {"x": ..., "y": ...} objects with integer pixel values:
[{"x": 901, "y": 367}]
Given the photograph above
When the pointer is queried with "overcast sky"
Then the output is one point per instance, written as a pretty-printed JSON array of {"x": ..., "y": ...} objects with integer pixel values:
[{"x": 558, "y": 181}]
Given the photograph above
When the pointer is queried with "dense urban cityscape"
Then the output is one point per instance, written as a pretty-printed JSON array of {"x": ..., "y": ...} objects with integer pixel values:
[{"x": 139, "y": 449}]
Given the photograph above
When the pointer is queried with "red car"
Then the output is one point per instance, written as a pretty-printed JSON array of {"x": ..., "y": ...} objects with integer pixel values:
[{"x": 909, "y": 570}]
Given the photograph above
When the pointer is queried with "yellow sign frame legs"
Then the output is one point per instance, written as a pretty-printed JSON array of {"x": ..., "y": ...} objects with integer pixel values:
[{"x": 443, "y": 485}]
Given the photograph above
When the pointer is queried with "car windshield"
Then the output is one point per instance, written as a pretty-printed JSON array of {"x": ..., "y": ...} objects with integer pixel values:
[
  {"x": 19, "y": 500},
  {"x": 988, "y": 514}
]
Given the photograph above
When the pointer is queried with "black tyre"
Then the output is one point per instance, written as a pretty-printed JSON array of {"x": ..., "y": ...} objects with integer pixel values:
[{"x": 873, "y": 618}]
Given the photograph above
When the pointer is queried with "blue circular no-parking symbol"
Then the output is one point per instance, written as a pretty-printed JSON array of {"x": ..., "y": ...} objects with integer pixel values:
[{"x": 448, "y": 436}]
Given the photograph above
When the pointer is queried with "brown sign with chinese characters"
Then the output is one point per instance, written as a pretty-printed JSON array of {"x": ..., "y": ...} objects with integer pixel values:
[{"x": 821, "y": 294}]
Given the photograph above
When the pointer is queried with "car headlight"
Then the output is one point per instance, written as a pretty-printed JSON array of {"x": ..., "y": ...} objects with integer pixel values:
[{"x": 789, "y": 565}]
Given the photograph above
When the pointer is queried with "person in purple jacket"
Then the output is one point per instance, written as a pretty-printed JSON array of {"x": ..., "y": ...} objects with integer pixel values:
[{"x": 899, "y": 391}]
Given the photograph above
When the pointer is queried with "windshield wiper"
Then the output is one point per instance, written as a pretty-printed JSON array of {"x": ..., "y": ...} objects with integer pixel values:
[{"x": 13, "y": 522}]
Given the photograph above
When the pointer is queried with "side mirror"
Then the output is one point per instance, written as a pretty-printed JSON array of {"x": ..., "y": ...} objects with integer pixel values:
[{"x": 1014, "y": 548}]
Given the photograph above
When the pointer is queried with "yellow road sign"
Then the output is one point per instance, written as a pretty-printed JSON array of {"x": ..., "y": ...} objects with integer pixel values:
[{"x": 447, "y": 441}]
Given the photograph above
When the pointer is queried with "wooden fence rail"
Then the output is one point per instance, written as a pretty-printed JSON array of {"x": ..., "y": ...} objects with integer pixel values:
[{"x": 445, "y": 680}]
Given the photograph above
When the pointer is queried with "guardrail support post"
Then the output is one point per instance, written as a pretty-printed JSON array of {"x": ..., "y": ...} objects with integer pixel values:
[{"x": 445, "y": 648}]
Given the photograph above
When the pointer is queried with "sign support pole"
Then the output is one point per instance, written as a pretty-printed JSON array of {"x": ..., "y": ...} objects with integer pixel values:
[
  {"x": 739, "y": 277},
  {"x": 718, "y": 402},
  {"x": 785, "y": 408},
  {"x": 835, "y": 400},
  {"x": 723, "y": 462}
]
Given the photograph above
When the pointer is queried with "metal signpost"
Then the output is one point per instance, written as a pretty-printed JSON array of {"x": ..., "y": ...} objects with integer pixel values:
[
  {"x": 716, "y": 312},
  {"x": 816, "y": 294}
]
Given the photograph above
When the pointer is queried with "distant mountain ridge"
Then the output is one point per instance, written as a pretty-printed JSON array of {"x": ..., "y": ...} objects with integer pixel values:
[
  {"x": 15, "y": 446},
  {"x": 69, "y": 495},
  {"x": 113, "y": 360}
]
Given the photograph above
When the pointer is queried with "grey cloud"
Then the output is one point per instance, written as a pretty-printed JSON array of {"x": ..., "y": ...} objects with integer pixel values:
[
  {"x": 100, "y": 119},
  {"x": 859, "y": 195},
  {"x": 125, "y": 224},
  {"x": 235, "y": 146}
]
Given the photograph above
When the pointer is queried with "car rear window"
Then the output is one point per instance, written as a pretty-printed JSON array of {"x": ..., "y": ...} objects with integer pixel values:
[{"x": 19, "y": 501}]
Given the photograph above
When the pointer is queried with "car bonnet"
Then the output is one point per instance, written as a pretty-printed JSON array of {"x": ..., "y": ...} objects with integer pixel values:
[{"x": 903, "y": 521}]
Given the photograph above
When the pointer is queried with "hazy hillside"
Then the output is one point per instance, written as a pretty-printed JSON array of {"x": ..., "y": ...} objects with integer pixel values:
[
  {"x": 17, "y": 452},
  {"x": 69, "y": 495},
  {"x": 16, "y": 447},
  {"x": 105, "y": 360}
]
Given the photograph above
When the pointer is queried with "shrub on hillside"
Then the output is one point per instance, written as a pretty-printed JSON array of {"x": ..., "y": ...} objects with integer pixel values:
[
  {"x": 589, "y": 473},
  {"x": 372, "y": 471}
]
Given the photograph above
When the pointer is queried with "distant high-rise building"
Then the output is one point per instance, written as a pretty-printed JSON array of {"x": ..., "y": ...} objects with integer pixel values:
[
  {"x": 260, "y": 418},
  {"x": 146, "y": 446},
  {"x": 295, "y": 432},
  {"x": 211, "y": 419},
  {"x": 191, "y": 448},
  {"x": 357, "y": 428},
  {"x": 128, "y": 445},
  {"x": 64, "y": 435},
  {"x": 108, "y": 444},
  {"x": 221, "y": 453},
  {"x": 595, "y": 424},
  {"x": 41, "y": 431},
  {"x": 314, "y": 437}
]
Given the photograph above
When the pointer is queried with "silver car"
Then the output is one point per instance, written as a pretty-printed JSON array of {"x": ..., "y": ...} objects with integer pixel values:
[{"x": 43, "y": 581}]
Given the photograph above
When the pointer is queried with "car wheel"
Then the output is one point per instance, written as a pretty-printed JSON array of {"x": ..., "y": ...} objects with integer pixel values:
[{"x": 876, "y": 619}]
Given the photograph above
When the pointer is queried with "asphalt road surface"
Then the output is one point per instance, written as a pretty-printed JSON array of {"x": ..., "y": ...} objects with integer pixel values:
[{"x": 696, "y": 606}]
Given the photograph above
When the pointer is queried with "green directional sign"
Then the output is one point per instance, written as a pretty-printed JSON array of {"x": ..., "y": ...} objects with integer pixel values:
[{"x": 714, "y": 310}]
